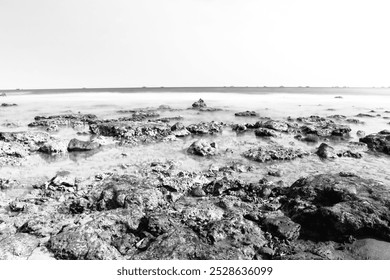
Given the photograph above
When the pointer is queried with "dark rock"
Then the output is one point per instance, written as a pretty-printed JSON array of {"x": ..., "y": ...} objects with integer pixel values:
[
  {"x": 276, "y": 125},
  {"x": 274, "y": 152},
  {"x": 199, "y": 104},
  {"x": 246, "y": 114},
  {"x": 282, "y": 227},
  {"x": 203, "y": 148},
  {"x": 78, "y": 145},
  {"x": 379, "y": 142},
  {"x": 330, "y": 207},
  {"x": 239, "y": 127},
  {"x": 54, "y": 146},
  {"x": 355, "y": 121},
  {"x": 361, "y": 115},
  {"x": 179, "y": 130},
  {"x": 198, "y": 192},
  {"x": 311, "y": 138},
  {"x": 8, "y": 105},
  {"x": 265, "y": 132},
  {"x": 326, "y": 151},
  {"x": 338, "y": 97}
]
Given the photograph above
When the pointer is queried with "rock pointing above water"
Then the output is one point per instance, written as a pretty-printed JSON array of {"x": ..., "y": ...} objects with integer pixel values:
[
  {"x": 203, "y": 148},
  {"x": 274, "y": 152},
  {"x": 379, "y": 142},
  {"x": 78, "y": 145},
  {"x": 246, "y": 114},
  {"x": 199, "y": 104}
]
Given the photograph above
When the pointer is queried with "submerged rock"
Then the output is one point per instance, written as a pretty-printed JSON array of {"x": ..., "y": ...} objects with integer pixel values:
[
  {"x": 331, "y": 207},
  {"x": 8, "y": 105},
  {"x": 274, "y": 152},
  {"x": 203, "y": 148},
  {"x": 379, "y": 142},
  {"x": 205, "y": 128},
  {"x": 265, "y": 132},
  {"x": 54, "y": 146},
  {"x": 78, "y": 145}
]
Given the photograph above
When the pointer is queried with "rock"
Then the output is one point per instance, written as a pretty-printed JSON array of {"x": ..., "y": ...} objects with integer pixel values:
[
  {"x": 273, "y": 152},
  {"x": 179, "y": 130},
  {"x": 275, "y": 172},
  {"x": 198, "y": 192},
  {"x": 282, "y": 227},
  {"x": 54, "y": 146},
  {"x": 379, "y": 142},
  {"x": 18, "y": 246},
  {"x": 78, "y": 145},
  {"x": 360, "y": 133},
  {"x": 7, "y": 184},
  {"x": 246, "y": 114},
  {"x": 199, "y": 104},
  {"x": 276, "y": 125},
  {"x": 361, "y": 115},
  {"x": 338, "y": 97},
  {"x": 8, "y": 105},
  {"x": 239, "y": 127},
  {"x": 205, "y": 128},
  {"x": 331, "y": 207},
  {"x": 354, "y": 121},
  {"x": 203, "y": 148},
  {"x": 370, "y": 249},
  {"x": 311, "y": 138},
  {"x": 265, "y": 132},
  {"x": 16, "y": 206},
  {"x": 326, "y": 151}
]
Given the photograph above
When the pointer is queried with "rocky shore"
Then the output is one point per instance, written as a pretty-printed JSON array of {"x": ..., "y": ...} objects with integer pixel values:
[{"x": 160, "y": 210}]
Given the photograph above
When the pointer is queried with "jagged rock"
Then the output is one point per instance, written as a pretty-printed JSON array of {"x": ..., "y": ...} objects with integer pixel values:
[
  {"x": 273, "y": 152},
  {"x": 205, "y": 128},
  {"x": 18, "y": 246},
  {"x": 265, "y": 132},
  {"x": 78, "y": 145},
  {"x": 276, "y": 125},
  {"x": 54, "y": 146},
  {"x": 199, "y": 104},
  {"x": 379, "y": 142},
  {"x": 179, "y": 130},
  {"x": 326, "y": 151},
  {"x": 246, "y": 114},
  {"x": 330, "y": 207},
  {"x": 239, "y": 127},
  {"x": 203, "y": 148},
  {"x": 282, "y": 227}
]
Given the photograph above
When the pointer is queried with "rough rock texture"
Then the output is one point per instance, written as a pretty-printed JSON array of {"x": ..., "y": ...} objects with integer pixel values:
[
  {"x": 265, "y": 132},
  {"x": 54, "y": 146},
  {"x": 379, "y": 142},
  {"x": 274, "y": 152},
  {"x": 203, "y": 148},
  {"x": 78, "y": 145},
  {"x": 322, "y": 127},
  {"x": 330, "y": 207},
  {"x": 205, "y": 128},
  {"x": 17, "y": 247},
  {"x": 199, "y": 104},
  {"x": 326, "y": 151}
]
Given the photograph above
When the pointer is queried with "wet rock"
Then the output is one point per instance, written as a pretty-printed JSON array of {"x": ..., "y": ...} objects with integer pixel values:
[
  {"x": 330, "y": 207},
  {"x": 361, "y": 115},
  {"x": 8, "y": 105},
  {"x": 339, "y": 97},
  {"x": 18, "y": 246},
  {"x": 53, "y": 123},
  {"x": 7, "y": 184},
  {"x": 360, "y": 133},
  {"x": 246, "y": 114},
  {"x": 369, "y": 249},
  {"x": 16, "y": 206},
  {"x": 274, "y": 152},
  {"x": 323, "y": 127},
  {"x": 179, "y": 130},
  {"x": 239, "y": 127},
  {"x": 265, "y": 132},
  {"x": 78, "y": 145},
  {"x": 326, "y": 151},
  {"x": 354, "y": 121},
  {"x": 311, "y": 138},
  {"x": 275, "y": 172},
  {"x": 282, "y": 227},
  {"x": 205, "y": 128},
  {"x": 203, "y": 148},
  {"x": 199, "y": 104},
  {"x": 276, "y": 125},
  {"x": 379, "y": 142},
  {"x": 54, "y": 146},
  {"x": 198, "y": 192}
]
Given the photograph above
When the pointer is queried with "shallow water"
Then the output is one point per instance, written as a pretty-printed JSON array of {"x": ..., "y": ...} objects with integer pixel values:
[{"x": 276, "y": 105}]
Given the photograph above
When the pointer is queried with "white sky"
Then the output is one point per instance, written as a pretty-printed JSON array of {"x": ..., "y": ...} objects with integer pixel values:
[{"x": 124, "y": 43}]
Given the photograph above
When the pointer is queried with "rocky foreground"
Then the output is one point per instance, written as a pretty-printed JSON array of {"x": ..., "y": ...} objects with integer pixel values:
[{"x": 160, "y": 211}]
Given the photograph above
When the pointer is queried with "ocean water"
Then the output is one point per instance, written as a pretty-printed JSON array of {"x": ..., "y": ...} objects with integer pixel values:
[{"x": 276, "y": 103}]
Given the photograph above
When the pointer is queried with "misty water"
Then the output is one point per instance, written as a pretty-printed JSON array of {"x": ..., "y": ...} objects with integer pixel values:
[{"x": 276, "y": 104}]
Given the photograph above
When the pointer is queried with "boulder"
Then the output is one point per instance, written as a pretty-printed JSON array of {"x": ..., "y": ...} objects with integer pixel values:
[
  {"x": 379, "y": 142},
  {"x": 199, "y": 104},
  {"x": 333, "y": 207},
  {"x": 266, "y": 132},
  {"x": 326, "y": 151},
  {"x": 273, "y": 152},
  {"x": 203, "y": 148},
  {"x": 78, "y": 145}
]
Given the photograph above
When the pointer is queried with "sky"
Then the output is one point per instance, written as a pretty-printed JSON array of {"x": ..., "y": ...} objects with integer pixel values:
[{"x": 135, "y": 43}]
